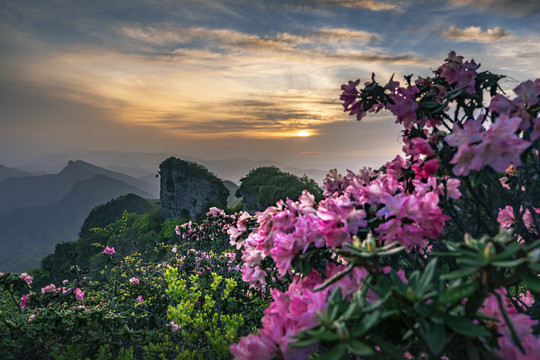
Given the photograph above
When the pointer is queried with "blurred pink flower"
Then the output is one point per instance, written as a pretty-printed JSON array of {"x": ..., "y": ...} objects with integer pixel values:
[
  {"x": 109, "y": 250},
  {"x": 79, "y": 294},
  {"x": 48, "y": 289},
  {"x": 134, "y": 280},
  {"x": 24, "y": 300},
  {"x": 140, "y": 299},
  {"x": 27, "y": 278}
]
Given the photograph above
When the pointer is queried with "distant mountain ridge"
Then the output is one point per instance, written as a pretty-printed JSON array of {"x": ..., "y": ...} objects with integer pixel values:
[
  {"x": 32, "y": 232},
  {"x": 133, "y": 163},
  {"x": 7, "y": 172},
  {"x": 16, "y": 192}
]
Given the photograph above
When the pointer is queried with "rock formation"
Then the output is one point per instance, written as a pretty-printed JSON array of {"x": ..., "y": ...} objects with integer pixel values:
[{"x": 188, "y": 189}]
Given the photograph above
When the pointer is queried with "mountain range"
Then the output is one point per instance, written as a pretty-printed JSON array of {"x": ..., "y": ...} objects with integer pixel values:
[
  {"x": 38, "y": 212},
  {"x": 138, "y": 164}
]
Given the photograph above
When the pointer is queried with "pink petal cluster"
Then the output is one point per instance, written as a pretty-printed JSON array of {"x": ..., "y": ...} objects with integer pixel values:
[
  {"x": 459, "y": 73},
  {"x": 24, "y": 300},
  {"x": 51, "y": 288},
  {"x": 26, "y": 278},
  {"x": 507, "y": 219},
  {"x": 174, "y": 326},
  {"x": 134, "y": 280},
  {"x": 522, "y": 324},
  {"x": 109, "y": 250},
  {"x": 498, "y": 147},
  {"x": 405, "y": 106},
  {"x": 79, "y": 294},
  {"x": 291, "y": 312}
]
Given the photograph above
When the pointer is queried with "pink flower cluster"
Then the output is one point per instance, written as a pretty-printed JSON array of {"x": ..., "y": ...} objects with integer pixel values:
[
  {"x": 24, "y": 300},
  {"x": 109, "y": 250},
  {"x": 134, "y": 280},
  {"x": 26, "y": 278},
  {"x": 497, "y": 147},
  {"x": 522, "y": 324},
  {"x": 51, "y": 288},
  {"x": 457, "y": 72},
  {"x": 79, "y": 294},
  {"x": 291, "y": 312},
  {"x": 528, "y": 95},
  {"x": 506, "y": 217}
]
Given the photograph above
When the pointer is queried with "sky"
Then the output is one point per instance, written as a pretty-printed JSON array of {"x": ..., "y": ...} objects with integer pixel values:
[{"x": 218, "y": 79}]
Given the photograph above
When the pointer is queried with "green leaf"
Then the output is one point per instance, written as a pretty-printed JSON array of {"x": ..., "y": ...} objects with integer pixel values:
[
  {"x": 304, "y": 343},
  {"x": 336, "y": 353},
  {"x": 457, "y": 293},
  {"x": 434, "y": 335},
  {"x": 532, "y": 281},
  {"x": 509, "y": 263},
  {"x": 463, "y": 272},
  {"x": 358, "y": 348},
  {"x": 367, "y": 322},
  {"x": 426, "y": 278},
  {"x": 464, "y": 326}
]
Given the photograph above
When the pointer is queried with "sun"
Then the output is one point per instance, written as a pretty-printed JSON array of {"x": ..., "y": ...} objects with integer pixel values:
[{"x": 303, "y": 133}]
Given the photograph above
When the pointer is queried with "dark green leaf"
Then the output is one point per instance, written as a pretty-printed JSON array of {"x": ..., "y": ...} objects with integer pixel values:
[
  {"x": 457, "y": 293},
  {"x": 336, "y": 353},
  {"x": 358, "y": 348},
  {"x": 463, "y": 272},
  {"x": 532, "y": 280},
  {"x": 465, "y": 327}
]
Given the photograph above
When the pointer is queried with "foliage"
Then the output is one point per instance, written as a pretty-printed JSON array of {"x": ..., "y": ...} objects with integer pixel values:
[
  {"x": 112, "y": 211},
  {"x": 117, "y": 306},
  {"x": 264, "y": 186},
  {"x": 434, "y": 255}
]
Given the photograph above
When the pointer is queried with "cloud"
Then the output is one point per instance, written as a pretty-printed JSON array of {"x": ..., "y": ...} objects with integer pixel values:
[
  {"x": 320, "y": 45},
  {"x": 476, "y": 34},
  {"x": 513, "y": 7},
  {"x": 373, "y": 5}
]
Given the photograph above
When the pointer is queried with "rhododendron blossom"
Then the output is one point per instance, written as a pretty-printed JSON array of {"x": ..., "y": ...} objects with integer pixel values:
[
  {"x": 51, "y": 288},
  {"x": 109, "y": 250},
  {"x": 27, "y": 278},
  {"x": 24, "y": 300},
  {"x": 79, "y": 294}
]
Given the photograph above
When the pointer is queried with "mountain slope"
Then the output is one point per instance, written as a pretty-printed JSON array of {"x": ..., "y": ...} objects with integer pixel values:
[
  {"x": 32, "y": 232},
  {"x": 17, "y": 192},
  {"x": 7, "y": 172}
]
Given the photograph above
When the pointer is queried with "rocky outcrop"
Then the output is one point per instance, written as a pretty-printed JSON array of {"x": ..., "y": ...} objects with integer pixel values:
[{"x": 188, "y": 189}]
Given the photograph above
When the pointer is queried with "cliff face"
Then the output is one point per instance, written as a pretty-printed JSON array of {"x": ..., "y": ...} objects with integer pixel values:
[{"x": 188, "y": 189}]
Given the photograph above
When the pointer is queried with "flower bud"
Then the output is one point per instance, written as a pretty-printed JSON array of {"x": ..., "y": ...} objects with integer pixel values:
[
  {"x": 356, "y": 241},
  {"x": 370, "y": 243},
  {"x": 468, "y": 240},
  {"x": 489, "y": 251}
]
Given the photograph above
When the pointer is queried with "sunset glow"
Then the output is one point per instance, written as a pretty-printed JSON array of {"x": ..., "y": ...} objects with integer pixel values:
[{"x": 185, "y": 77}]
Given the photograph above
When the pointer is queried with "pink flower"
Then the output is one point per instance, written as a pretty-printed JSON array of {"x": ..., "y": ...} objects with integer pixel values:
[
  {"x": 174, "y": 326},
  {"x": 350, "y": 103},
  {"x": 27, "y": 278},
  {"x": 79, "y": 294},
  {"x": 140, "y": 299},
  {"x": 48, "y": 289},
  {"x": 506, "y": 217},
  {"x": 253, "y": 347},
  {"x": 109, "y": 250},
  {"x": 134, "y": 280},
  {"x": 405, "y": 106},
  {"x": 24, "y": 300}
]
